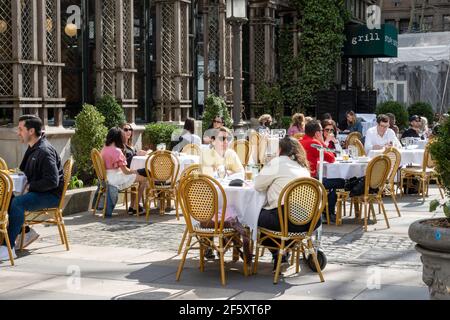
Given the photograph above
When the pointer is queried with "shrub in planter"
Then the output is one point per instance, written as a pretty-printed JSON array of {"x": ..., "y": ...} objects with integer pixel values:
[
  {"x": 89, "y": 133},
  {"x": 215, "y": 106},
  {"x": 285, "y": 123},
  {"x": 422, "y": 109},
  {"x": 111, "y": 110},
  {"x": 75, "y": 183},
  {"x": 398, "y": 109},
  {"x": 433, "y": 235},
  {"x": 156, "y": 133}
]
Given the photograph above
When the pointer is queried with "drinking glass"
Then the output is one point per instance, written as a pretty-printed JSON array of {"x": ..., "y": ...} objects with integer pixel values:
[
  {"x": 221, "y": 172},
  {"x": 249, "y": 173}
]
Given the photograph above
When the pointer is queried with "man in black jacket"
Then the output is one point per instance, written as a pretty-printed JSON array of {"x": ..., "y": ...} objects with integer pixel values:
[
  {"x": 414, "y": 128},
  {"x": 45, "y": 180}
]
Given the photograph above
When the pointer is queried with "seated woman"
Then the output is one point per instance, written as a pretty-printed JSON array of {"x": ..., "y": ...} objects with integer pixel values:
[
  {"x": 220, "y": 155},
  {"x": 130, "y": 151},
  {"x": 264, "y": 124},
  {"x": 215, "y": 124},
  {"x": 117, "y": 172},
  {"x": 329, "y": 131},
  {"x": 290, "y": 165},
  {"x": 297, "y": 125},
  {"x": 351, "y": 123},
  {"x": 188, "y": 136}
]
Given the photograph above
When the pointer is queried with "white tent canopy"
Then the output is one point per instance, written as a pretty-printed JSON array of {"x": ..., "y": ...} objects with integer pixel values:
[{"x": 419, "y": 73}]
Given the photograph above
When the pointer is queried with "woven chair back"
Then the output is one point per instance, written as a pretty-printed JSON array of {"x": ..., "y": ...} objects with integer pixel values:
[
  {"x": 163, "y": 166},
  {"x": 191, "y": 149},
  {"x": 352, "y": 137},
  {"x": 3, "y": 165},
  {"x": 395, "y": 157},
  {"x": 6, "y": 191},
  {"x": 376, "y": 173},
  {"x": 304, "y": 200},
  {"x": 242, "y": 148},
  {"x": 199, "y": 199},
  {"x": 99, "y": 165}
]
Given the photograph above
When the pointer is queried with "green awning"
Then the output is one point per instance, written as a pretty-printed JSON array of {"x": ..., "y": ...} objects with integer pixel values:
[{"x": 362, "y": 42}]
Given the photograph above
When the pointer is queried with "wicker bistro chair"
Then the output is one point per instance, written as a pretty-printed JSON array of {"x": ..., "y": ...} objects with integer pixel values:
[
  {"x": 100, "y": 171},
  {"x": 192, "y": 169},
  {"x": 254, "y": 140},
  {"x": 6, "y": 192},
  {"x": 304, "y": 200},
  {"x": 351, "y": 138},
  {"x": 3, "y": 165},
  {"x": 199, "y": 198},
  {"x": 359, "y": 146},
  {"x": 162, "y": 169},
  {"x": 389, "y": 188},
  {"x": 192, "y": 149},
  {"x": 242, "y": 148},
  {"x": 423, "y": 174},
  {"x": 377, "y": 173},
  {"x": 51, "y": 215}
]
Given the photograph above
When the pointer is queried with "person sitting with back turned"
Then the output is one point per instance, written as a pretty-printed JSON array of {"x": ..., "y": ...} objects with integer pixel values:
[
  {"x": 188, "y": 136},
  {"x": 381, "y": 136},
  {"x": 279, "y": 172},
  {"x": 313, "y": 136},
  {"x": 45, "y": 181}
]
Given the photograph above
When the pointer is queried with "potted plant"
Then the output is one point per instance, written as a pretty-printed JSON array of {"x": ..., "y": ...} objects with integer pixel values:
[
  {"x": 156, "y": 133},
  {"x": 433, "y": 235}
]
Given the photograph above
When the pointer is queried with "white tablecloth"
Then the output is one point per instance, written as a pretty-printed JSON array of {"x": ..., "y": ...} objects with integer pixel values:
[
  {"x": 414, "y": 156},
  {"x": 344, "y": 170},
  {"x": 19, "y": 182},
  {"x": 246, "y": 202},
  {"x": 138, "y": 162}
]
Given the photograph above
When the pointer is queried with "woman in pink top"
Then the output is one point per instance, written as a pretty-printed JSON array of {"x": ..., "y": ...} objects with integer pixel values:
[
  {"x": 117, "y": 171},
  {"x": 297, "y": 125}
]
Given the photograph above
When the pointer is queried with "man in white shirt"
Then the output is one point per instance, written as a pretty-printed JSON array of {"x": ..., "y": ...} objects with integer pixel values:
[{"x": 381, "y": 135}]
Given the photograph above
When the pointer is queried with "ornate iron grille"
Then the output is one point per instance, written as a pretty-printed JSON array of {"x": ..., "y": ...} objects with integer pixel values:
[
  {"x": 50, "y": 29},
  {"x": 259, "y": 55},
  {"x": 6, "y": 35},
  {"x": 52, "y": 82},
  {"x": 214, "y": 49},
  {"x": 6, "y": 80},
  {"x": 26, "y": 11},
  {"x": 168, "y": 52},
  {"x": 108, "y": 46},
  {"x": 27, "y": 80}
]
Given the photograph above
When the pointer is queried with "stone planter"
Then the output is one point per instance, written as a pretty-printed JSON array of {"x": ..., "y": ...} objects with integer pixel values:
[
  {"x": 434, "y": 244},
  {"x": 78, "y": 200}
]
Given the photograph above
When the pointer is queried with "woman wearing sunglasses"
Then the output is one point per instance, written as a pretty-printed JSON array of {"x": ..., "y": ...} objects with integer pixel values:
[
  {"x": 221, "y": 155},
  {"x": 130, "y": 151},
  {"x": 215, "y": 124},
  {"x": 329, "y": 134}
]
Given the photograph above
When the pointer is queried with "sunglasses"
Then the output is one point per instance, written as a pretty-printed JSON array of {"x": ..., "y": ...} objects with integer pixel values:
[
  {"x": 215, "y": 121},
  {"x": 126, "y": 129},
  {"x": 329, "y": 130},
  {"x": 222, "y": 138}
]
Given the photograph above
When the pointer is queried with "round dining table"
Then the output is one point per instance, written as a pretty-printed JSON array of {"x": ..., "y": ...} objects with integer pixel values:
[
  {"x": 408, "y": 155},
  {"x": 138, "y": 162},
  {"x": 345, "y": 169},
  {"x": 245, "y": 203}
]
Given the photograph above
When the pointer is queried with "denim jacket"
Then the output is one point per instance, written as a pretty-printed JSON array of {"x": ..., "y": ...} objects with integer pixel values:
[{"x": 112, "y": 195}]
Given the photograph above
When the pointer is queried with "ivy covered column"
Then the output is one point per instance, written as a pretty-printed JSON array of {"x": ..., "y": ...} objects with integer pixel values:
[{"x": 262, "y": 49}]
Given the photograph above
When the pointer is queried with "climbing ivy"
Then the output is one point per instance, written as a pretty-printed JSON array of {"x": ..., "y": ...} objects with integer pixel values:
[{"x": 321, "y": 38}]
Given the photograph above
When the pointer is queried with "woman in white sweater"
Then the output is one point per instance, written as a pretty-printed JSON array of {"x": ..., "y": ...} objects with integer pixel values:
[{"x": 290, "y": 165}]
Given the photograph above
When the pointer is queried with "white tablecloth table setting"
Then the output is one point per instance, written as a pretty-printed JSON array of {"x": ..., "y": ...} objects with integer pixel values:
[
  {"x": 345, "y": 169},
  {"x": 245, "y": 203},
  {"x": 414, "y": 156},
  {"x": 138, "y": 162}
]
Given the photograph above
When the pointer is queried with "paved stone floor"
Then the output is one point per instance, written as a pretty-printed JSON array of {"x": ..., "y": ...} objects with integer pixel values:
[{"x": 128, "y": 258}]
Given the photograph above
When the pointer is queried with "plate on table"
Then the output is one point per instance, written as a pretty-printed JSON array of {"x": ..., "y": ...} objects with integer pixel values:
[{"x": 363, "y": 160}]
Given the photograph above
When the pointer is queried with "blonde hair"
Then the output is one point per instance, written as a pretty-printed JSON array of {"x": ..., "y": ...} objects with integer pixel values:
[
  {"x": 298, "y": 120},
  {"x": 424, "y": 124},
  {"x": 308, "y": 119},
  {"x": 264, "y": 119}
]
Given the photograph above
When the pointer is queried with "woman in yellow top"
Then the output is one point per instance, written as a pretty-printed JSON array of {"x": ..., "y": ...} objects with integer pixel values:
[{"x": 221, "y": 155}]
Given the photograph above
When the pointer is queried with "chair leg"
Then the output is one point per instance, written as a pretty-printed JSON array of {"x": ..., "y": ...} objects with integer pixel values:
[
  {"x": 58, "y": 224},
  {"x": 327, "y": 212},
  {"x": 96, "y": 202},
  {"x": 104, "y": 202},
  {"x": 338, "y": 211},
  {"x": 183, "y": 259},
  {"x": 22, "y": 239},
  {"x": 424, "y": 188},
  {"x": 277, "y": 270},
  {"x": 440, "y": 188},
  {"x": 365, "y": 215},
  {"x": 384, "y": 212},
  {"x": 63, "y": 228},
  {"x": 126, "y": 200},
  {"x": 8, "y": 245},
  {"x": 316, "y": 262},
  {"x": 222, "y": 261},
  {"x": 137, "y": 201},
  {"x": 202, "y": 257},
  {"x": 176, "y": 208},
  {"x": 394, "y": 199},
  {"x": 182, "y": 241},
  {"x": 297, "y": 260}
]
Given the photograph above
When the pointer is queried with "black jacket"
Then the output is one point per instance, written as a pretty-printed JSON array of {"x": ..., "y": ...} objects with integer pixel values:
[
  {"x": 42, "y": 166},
  {"x": 411, "y": 133}
]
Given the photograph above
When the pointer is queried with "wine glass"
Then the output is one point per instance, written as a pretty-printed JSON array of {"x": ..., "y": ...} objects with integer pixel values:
[{"x": 221, "y": 172}]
